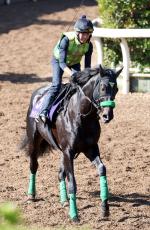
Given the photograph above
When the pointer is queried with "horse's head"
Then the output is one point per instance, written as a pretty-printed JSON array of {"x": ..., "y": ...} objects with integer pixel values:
[
  {"x": 99, "y": 85},
  {"x": 104, "y": 92}
]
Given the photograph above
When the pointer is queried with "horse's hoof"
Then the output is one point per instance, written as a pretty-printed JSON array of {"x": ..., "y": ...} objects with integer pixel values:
[
  {"x": 105, "y": 213},
  {"x": 75, "y": 219},
  {"x": 31, "y": 198},
  {"x": 105, "y": 209}
]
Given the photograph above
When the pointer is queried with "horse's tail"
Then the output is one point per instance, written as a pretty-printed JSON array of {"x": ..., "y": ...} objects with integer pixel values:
[
  {"x": 24, "y": 145},
  {"x": 24, "y": 142}
]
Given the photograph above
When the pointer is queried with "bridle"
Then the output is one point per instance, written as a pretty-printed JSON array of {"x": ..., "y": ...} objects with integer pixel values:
[{"x": 101, "y": 99}]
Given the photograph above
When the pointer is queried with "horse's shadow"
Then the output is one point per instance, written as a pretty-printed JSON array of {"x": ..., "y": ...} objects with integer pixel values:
[{"x": 135, "y": 199}]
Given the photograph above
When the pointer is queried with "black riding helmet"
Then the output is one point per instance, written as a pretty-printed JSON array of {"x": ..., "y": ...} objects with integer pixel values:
[{"x": 83, "y": 25}]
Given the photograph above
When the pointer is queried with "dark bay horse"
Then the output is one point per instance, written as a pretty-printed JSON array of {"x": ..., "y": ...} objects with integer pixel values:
[{"x": 76, "y": 129}]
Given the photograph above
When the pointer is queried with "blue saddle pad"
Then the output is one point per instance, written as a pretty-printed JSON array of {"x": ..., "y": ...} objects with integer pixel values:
[
  {"x": 37, "y": 105},
  {"x": 57, "y": 105}
]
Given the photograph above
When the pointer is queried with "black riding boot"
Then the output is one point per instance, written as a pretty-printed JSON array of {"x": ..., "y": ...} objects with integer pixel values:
[{"x": 44, "y": 114}]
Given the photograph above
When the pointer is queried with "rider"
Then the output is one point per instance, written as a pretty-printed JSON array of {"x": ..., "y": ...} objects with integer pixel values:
[{"x": 67, "y": 55}]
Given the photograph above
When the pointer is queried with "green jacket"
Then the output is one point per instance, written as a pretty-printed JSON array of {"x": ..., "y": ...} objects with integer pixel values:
[{"x": 75, "y": 49}]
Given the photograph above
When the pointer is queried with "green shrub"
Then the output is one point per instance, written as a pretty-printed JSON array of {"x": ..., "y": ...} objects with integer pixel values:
[
  {"x": 126, "y": 14},
  {"x": 9, "y": 216},
  {"x": 10, "y": 219}
]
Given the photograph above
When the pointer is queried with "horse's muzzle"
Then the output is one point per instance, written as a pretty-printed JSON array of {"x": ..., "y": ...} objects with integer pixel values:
[{"x": 107, "y": 114}]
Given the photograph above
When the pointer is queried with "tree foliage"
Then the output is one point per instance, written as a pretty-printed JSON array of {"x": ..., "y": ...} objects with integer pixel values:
[{"x": 126, "y": 14}]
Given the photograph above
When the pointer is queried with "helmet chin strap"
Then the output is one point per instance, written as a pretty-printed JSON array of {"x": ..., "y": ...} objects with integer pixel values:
[{"x": 89, "y": 38}]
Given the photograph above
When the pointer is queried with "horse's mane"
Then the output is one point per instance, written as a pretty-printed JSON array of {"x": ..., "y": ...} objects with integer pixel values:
[{"x": 82, "y": 77}]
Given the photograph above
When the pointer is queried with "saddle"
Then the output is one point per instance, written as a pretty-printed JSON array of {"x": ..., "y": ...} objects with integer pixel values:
[{"x": 66, "y": 91}]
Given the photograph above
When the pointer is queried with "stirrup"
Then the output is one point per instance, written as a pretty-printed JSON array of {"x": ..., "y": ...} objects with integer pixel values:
[
  {"x": 43, "y": 118},
  {"x": 44, "y": 115}
]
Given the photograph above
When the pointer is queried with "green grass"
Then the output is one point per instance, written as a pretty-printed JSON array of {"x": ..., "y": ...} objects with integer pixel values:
[{"x": 11, "y": 219}]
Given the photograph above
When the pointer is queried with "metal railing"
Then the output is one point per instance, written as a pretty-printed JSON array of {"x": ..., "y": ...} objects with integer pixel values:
[{"x": 122, "y": 34}]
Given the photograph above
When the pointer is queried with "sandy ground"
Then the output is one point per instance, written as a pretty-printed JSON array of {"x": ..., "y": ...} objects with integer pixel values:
[{"x": 28, "y": 32}]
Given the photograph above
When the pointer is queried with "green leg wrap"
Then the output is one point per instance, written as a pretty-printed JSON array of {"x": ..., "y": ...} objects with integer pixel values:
[
  {"x": 32, "y": 189},
  {"x": 103, "y": 188},
  {"x": 63, "y": 191},
  {"x": 73, "y": 207}
]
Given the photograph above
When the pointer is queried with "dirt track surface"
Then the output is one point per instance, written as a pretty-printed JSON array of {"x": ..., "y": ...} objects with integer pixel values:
[{"x": 28, "y": 32}]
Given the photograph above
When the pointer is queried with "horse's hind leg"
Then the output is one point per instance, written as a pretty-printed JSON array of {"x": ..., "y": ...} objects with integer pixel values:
[
  {"x": 94, "y": 156},
  {"x": 62, "y": 183},
  {"x": 69, "y": 169},
  {"x": 33, "y": 154},
  {"x": 32, "y": 180}
]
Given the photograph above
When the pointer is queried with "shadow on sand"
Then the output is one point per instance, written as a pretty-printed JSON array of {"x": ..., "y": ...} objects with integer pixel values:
[
  {"x": 23, "y": 78},
  {"x": 135, "y": 199},
  {"x": 26, "y": 13}
]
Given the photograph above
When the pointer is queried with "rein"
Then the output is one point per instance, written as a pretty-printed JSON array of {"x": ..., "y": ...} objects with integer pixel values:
[
  {"x": 88, "y": 113},
  {"x": 91, "y": 103}
]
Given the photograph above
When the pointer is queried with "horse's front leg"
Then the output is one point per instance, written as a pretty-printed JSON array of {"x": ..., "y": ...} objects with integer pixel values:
[
  {"x": 94, "y": 156},
  {"x": 103, "y": 185},
  {"x": 69, "y": 169},
  {"x": 62, "y": 183}
]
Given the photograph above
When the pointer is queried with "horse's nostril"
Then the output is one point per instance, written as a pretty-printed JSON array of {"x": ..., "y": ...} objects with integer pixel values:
[{"x": 105, "y": 116}]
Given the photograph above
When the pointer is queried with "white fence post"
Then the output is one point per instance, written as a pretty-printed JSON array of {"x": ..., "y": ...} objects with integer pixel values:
[
  {"x": 99, "y": 47},
  {"x": 122, "y": 34},
  {"x": 126, "y": 65}
]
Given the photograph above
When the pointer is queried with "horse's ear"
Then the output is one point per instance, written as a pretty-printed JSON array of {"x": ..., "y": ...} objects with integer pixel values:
[
  {"x": 101, "y": 70},
  {"x": 118, "y": 72}
]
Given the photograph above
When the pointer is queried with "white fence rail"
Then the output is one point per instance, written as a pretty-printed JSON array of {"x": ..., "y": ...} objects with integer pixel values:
[{"x": 122, "y": 34}]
